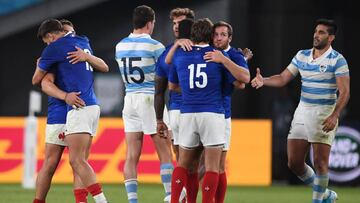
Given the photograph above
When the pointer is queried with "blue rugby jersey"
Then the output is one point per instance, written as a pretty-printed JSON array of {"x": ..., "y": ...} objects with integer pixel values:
[
  {"x": 201, "y": 82},
  {"x": 75, "y": 77},
  {"x": 162, "y": 70},
  {"x": 237, "y": 57}
]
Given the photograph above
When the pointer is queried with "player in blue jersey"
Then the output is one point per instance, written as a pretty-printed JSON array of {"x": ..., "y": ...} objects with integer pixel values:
[
  {"x": 222, "y": 36},
  {"x": 76, "y": 76},
  {"x": 202, "y": 113},
  {"x": 136, "y": 56},
  {"x": 182, "y": 19},
  {"x": 54, "y": 136},
  {"x": 324, "y": 72}
]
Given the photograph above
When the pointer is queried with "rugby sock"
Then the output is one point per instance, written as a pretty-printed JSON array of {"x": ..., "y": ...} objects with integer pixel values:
[
  {"x": 308, "y": 176},
  {"x": 221, "y": 189},
  {"x": 166, "y": 171},
  {"x": 178, "y": 181},
  {"x": 319, "y": 188},
  {"x": 192, "y": 187},
  {"x": 131, "y": 189},
  {"x": 38, "y": 201},
  {"x": 80, "y": 195},
  {"x": 96, "y": 192},
  {"x": 308, "y": 179},
  {"x": 209, "y": 186}
]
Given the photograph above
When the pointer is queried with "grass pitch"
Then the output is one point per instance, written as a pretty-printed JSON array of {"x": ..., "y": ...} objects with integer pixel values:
[{"x": 13, "y": 193}]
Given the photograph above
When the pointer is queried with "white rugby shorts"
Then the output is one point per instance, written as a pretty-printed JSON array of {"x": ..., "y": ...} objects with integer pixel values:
[
  {"x": 307, "y": 124},
  {"x": 203, "y": 128},
  {"x": 174, "y": 116},
  {"x": 139, "y": 113},
  {"x": 83, "y": 120},
  {"x": 55, "y": 134}
]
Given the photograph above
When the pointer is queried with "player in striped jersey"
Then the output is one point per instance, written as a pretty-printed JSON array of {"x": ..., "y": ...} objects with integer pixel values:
[
  {"x": 136, "y": 56},
  {"x": 324, "y": 72}
]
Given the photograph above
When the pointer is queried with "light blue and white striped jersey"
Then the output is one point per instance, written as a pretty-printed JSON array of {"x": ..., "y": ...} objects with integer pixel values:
[
  {"x": 318, "y": 76},
  {"x": 137, "y": 55}
]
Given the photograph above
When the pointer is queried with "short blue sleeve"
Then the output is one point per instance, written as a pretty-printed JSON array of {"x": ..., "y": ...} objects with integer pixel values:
[
  {"x": 49, "y": 57},
  {"x": 162, "y": 68}
]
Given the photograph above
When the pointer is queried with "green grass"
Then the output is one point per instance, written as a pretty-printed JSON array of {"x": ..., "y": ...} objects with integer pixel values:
[{"x": 12, "y": 193}]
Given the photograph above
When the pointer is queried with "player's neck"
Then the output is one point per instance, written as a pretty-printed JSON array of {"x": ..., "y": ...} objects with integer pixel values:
[
  {"x": 318, "y": 52},
  {"x": 141, "y": 31}
]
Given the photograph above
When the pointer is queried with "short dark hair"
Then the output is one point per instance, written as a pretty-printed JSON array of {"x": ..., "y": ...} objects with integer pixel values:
[
  {"x": 49, "y": 26},
  {"x": 185, "y": 28},
  {"x": 330, "y": 24},
  {"x": 142, "y": 15},
  {"x": 223, "y": 23},
  {"x": 67, "y": 22},
  {"x": 201, "y": 31},
  {"x": 176, "y": 12}
]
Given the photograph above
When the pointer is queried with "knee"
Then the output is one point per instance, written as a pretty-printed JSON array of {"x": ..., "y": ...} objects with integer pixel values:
[
  {"x": 296, "y": 167},
  {"x": 321, "y": 166},
  {"x": 76, "y": 162}
]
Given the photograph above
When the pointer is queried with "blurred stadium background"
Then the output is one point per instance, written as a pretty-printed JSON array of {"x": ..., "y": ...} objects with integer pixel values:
[{"x": 275, "y": 30}]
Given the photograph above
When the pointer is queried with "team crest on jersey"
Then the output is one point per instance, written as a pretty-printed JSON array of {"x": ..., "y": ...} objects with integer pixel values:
[{"x": 322, "y": 68}]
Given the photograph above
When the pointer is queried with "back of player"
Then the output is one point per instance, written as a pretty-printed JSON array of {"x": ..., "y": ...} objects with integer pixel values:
[
  {"x": 137, "y": 55},
  {"x": 201, "y": 82},
  {"x": 202, "y": 119}
]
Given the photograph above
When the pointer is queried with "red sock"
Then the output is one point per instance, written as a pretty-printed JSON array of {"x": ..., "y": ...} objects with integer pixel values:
[
  {"x": 192, "y": 187},
  {"x": 80, "y": 195},
  {"x": 38, "y": 201},
  {"x": 209, "y": 186},
  {"x": 94, "y": 189},
  {"x": 221, "y": 189},
  {"x": 178, "y": 181}
]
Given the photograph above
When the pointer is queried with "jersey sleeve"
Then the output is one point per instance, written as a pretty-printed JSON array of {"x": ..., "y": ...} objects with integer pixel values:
[
  {"x": 341, "y": 67},
  {"x": 239, "y": 59},
  {"x": 173, "y": 75},
  {"x": 293, "y": 67},
  {"x": 158, "y": 50},
  {"x": 49, "y": 57},
  {"x": 161, "y": 66}
]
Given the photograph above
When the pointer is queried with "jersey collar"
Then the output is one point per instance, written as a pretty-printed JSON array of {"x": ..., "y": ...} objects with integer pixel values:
[
  {"x": 143, "y": 35},
  {"x": 227, "y": 49},
  {"x": 201, "y": 45},
  {"x": 320, "y": 58}
]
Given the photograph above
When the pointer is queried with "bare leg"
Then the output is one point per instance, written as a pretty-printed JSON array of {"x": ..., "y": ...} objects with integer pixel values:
[
  {"x": 297, "y": 151},
  {"x": 52, "y": 158}
]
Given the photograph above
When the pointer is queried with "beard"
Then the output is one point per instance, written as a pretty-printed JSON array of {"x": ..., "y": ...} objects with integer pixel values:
[{"x": 319, "y": 44}]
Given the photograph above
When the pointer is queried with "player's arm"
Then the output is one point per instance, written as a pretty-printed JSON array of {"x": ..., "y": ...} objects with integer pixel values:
[
  {"x": 279, "y": 80},
  {"x": 343, "y": 84},
  {"x": 48, "y": 86},
  {"x": 38, "y": 74},
  {"x": 240, "y": 73},
  {"x": 159, "y": 104},
  {"x": 80, "y": 56},
  {"x": 159, "y": 100},
  {"x": 185, "y": 44}
]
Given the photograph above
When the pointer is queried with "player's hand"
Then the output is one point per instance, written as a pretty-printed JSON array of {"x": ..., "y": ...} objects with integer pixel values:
[
  {"x": 214, "y": 56},
  {"x": 162, "y": 129},
  {"x": 258, "y": 81},
  {"x": 185, "y": 44},
  {"x": 330, "y": 123},
  {"x": 77, "y": 56},
  {"x": 247, "y": 54},
  {"x": 239, "y": 85},
  {"x": 73, "y": 99}
]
